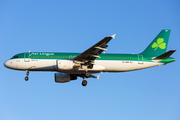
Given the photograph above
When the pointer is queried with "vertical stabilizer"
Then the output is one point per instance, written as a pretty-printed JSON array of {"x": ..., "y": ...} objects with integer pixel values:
[{"x": 159, "y": 45}]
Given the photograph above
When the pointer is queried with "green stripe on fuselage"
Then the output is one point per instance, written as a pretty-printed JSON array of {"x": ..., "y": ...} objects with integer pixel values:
[{"x": 122, "y": 57}]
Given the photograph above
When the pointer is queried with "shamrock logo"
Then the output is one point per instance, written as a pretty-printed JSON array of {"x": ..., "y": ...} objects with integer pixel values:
[{"x": 160, "y": 43}]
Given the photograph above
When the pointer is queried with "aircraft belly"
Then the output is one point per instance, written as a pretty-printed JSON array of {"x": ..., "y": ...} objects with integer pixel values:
[
  {"x": 43, "y": 65},
  {"x": 33, "y": 65},
  {"x": 113, "y": 65},
  {"x": 122, "y": 66},
  {"x": 138, "y": 66}
]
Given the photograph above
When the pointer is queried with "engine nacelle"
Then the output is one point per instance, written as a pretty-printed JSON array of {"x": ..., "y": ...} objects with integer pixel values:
[
  {"x": 64, "y": 77},
  {"x": 65, "y": 64}
]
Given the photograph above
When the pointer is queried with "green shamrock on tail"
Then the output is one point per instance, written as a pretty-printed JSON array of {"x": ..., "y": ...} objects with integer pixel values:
[{"x": 160, "y": 43}]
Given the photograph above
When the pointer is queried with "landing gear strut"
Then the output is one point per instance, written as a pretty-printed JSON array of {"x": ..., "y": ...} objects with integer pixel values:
[{"x": 27, "y": 73}]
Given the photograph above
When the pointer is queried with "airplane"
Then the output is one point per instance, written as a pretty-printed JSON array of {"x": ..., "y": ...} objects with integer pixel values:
[{"x": 69, "y": 66}]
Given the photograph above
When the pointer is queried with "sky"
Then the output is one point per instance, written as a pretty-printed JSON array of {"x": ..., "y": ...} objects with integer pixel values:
[{"x": 74, "y": 26}]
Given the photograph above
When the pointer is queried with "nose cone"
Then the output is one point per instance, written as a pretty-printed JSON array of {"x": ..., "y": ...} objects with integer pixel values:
[{"x": 7, "y": 64}]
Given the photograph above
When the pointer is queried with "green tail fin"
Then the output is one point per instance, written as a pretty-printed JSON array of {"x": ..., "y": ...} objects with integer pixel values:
[{"x": 159, "y": 45}]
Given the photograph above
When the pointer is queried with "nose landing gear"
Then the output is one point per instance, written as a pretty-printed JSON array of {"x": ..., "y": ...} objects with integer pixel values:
[{"x": 27, "y": 73}]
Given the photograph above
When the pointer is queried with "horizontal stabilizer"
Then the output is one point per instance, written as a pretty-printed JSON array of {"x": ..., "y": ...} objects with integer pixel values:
[{"x": 165, "y": 55}]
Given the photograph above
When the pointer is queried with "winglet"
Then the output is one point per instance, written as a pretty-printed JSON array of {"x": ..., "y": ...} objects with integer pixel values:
[{"x": 113, "y": 36}]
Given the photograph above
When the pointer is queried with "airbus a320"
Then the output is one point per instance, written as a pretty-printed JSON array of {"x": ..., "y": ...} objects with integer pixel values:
[{"x": 69, "y": 66}]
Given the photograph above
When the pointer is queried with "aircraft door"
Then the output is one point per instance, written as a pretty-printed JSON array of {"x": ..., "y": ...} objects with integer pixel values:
[
  {"x": 140, "y": 59},
  {"x": 27, "y": 57}
]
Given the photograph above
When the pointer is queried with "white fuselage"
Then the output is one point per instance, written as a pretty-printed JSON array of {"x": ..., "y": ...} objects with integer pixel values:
[{"x": 99, "y": 65}]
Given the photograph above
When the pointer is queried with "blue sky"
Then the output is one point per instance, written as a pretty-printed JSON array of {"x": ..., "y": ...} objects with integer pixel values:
[{"x": 74, "y": 26}]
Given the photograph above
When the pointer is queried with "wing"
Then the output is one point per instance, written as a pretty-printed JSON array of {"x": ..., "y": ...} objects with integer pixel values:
[{"x": 93, "y": 52}]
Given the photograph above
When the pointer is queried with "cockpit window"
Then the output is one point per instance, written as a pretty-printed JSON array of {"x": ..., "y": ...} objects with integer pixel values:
[{"x": 15, "y": 56}]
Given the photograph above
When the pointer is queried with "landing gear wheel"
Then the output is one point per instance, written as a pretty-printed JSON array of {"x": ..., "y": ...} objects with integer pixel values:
[
  {"x": 84, "y": 83},
  {"x": 87, "y": 75},
  {"x": 26, "y": 78},
  {"x": 27, "y": 73}
]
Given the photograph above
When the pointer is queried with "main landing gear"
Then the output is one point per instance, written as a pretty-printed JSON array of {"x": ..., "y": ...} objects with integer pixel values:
[
  {"x": 87, "y": 75},
  {"x": 84, "y": 82},
  {"x": 27, "y": 73}
]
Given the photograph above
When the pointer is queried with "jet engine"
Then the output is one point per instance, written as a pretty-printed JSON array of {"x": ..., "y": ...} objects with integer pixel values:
[
  {"x": 64, "y": 77},
  {"x": 66, "y": 64}
]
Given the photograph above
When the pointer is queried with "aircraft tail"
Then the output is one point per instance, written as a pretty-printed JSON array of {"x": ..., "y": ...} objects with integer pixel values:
[{"x": 159, "y": 45}]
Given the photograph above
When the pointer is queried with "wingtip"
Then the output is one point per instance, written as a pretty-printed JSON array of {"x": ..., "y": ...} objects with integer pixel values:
[{"x": 113, "y": 36}]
